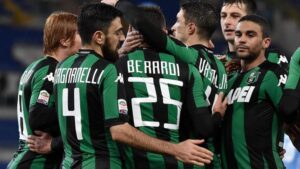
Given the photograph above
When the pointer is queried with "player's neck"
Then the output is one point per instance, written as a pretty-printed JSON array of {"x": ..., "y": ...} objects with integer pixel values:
[
  {"x": 59, "y": 54},
  {"x": 94, "y": 47},
  {"x": 250, "y": 64},
  {"x": 197, "y": 41}
]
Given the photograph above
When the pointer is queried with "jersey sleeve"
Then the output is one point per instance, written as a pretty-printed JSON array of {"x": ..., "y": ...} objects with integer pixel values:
[
  {"x": 114, "y": 103},
  {"x": 294, "y": 71},
  {"x": 155, "y": 36},
  {"x": 277, "y": 57},
  {"x": 273, "y": 84},
  {"x": 42, "y": 114},
  {"x": 290, "y": 100},
  {"x": 199, "y": 113}
]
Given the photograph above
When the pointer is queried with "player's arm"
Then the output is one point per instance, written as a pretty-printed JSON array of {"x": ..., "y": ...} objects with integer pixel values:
[
  {"x": 154, "y": 35},
  {"x": 187, "y": 151},
  {"x": 44, "y": 143},
  {"x": 115, "y": 106},
  {"x": 290, "y": 101},
  {"x": 202, "y": 119},
  {"x": 42, "y": 114},
  {"x": 273, "y": 85}
]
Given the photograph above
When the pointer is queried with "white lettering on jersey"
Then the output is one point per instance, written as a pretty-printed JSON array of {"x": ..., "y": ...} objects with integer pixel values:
[
  {"x": 50, "y": 77},
  {"x": 240, "y": 94},
  {"x": 282, "y": 80},
  {"x": 120, "y": 78},
  {"x": 282, "y": 59}
]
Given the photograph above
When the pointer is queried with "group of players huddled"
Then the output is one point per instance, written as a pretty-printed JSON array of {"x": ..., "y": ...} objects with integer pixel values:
[{"x": 157, "y": 99}]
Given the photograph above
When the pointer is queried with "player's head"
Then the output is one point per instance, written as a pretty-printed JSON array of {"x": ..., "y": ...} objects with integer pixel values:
[
  {"x": 195, "y": 18},
  {"x": 100, "y": 26},
  {"x": 60, "y": 31},
  {"x": 154, "y": 15},
  {"x": 252, "y": 37},
  {"x": 231, "y": 12}
]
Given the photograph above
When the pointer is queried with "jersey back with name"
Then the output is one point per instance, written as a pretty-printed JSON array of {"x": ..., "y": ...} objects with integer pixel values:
[
  {"x": 159, "y": 88},
  {"x": 35, "y": 88},
  {"x": 214, "y": 77},
  {"x": 252, "y": 126},
  {"x": 89, "y": 101}
]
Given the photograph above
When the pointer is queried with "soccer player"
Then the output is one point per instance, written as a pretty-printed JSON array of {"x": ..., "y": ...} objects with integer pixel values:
[
  {"x": 289, "y": 103},
  {"x": 36, "y": 109},
  {"x": 252, "y": 124},
  {"x": 162, "y": 92},
  {"x": 195, "y": 25},
  {"x": 90, "y": 100},
  {"x": 231, "y": 12}
]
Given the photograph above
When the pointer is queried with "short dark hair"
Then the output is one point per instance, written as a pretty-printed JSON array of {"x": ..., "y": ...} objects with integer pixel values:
[
  {"x": 261, "y": 21},
  {"x": 203, "y": 15},
  {"x": 154, "y": 15},
  {"x": 250, "y": 5},
  {"x": 94, "y": 17}
]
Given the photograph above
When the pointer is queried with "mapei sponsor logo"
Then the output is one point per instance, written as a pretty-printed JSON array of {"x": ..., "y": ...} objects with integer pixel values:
[{"x": 240, "y": 94}]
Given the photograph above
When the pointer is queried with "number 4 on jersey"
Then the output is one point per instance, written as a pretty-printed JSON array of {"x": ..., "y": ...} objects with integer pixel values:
[{"x": 76, "y": 112}]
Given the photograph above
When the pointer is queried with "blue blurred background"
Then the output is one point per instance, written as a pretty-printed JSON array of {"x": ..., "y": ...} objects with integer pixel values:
[{"x": 21, "y": 32}]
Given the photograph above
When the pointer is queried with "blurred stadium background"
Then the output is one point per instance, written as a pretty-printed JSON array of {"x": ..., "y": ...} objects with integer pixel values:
[{"x": 21, "y": 26}]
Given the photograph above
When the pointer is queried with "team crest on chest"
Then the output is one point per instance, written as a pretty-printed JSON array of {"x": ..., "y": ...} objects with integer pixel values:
[{"x": 253, "y": 77}]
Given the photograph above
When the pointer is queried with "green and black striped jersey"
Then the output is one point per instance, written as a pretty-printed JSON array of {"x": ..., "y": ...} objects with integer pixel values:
[
  {"x": 212, "y": 69},
  {"x": 290, "y": 101},
  {"x": 164, "y": 93},
  {"x": 89, "y": 100},
  {"x": 294, "y": 72},
  {"x": 36, "y": 112},
  {"x": 252, "y": 127}
]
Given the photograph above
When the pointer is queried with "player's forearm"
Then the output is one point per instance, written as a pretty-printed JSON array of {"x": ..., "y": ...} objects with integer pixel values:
[
  {"x": 56, "y": 144},
  {"x": 41, "y": 117},
  {"x": 289, "y": 106},
  {"x": 127, "y": 134},
  {"x": 203, "y": 123}
]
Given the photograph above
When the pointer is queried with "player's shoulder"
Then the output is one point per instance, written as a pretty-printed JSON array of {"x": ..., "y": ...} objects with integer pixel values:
[
  {"x": 273, "y": 68},
  {"x": 44, "y": 61},
  {"x": 296, "y": 56}
]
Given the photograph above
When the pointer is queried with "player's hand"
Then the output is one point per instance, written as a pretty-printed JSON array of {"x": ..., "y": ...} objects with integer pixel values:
[
  {"x": 282, "y": 151},
  {"x": 40, "y": 143},
  {"x": 233, "y": 65},
  {"x": 133, "y": 40},
  {"x": 293, "y": 131},
  {"x": 110, "y": 2},
  {"x": 220, "y": 105},
  {"x": 222, "y": 58},
  {"x": 189, "y": 151}
]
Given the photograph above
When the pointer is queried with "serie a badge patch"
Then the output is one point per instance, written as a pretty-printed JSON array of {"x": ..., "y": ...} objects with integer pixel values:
[
  {"x": 44, "y": 97},
  {"x": 122, "y": 104}
]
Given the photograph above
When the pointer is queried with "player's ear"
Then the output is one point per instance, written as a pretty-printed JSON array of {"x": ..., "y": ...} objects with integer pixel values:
[
  {"x": 191, "y": 28},
  {"x": 98, "y": 38},
  {"x": 65, "y": 42},
  {"x": 266, "y": 43}
]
